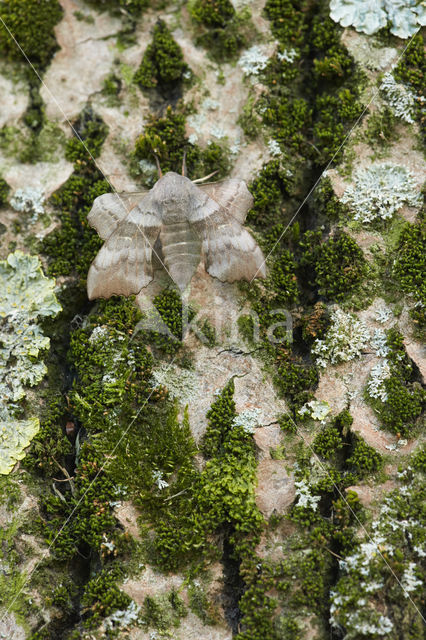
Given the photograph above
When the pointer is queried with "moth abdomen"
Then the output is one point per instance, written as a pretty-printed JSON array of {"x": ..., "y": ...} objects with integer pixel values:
[{"x": 181, "y": 249}]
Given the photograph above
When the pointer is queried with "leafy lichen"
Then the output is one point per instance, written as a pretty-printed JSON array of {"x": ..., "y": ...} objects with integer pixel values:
[{"x": 25, "y": 296}]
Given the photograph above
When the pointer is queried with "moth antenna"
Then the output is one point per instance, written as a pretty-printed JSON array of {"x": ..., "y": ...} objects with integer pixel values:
[
  {"x": 206, "y": 177},
  {"x": 157, "y": 162},
  {"x": 184, "y": 169}
]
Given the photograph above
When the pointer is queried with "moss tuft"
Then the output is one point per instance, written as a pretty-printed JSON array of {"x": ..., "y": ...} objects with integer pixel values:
[
  {"x": 4, "y": 192},
  {"x": 162, "y": 64},
  {"x": 166, "y": 137},
  {"x": 31, "y": 22}
]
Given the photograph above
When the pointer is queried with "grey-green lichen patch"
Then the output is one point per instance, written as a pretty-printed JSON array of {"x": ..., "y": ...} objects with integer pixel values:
[
  {"x": 380, "y": 191},
  {"x": 404, "y": 16},
  {"x": 25, "y": 296}
]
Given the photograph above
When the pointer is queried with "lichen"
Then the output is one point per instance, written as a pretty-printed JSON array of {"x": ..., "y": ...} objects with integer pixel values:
[
  {"x": 345, "y": 339},
  {"x": 25, "y": 296},
  {"x": 391, "y": 543},
  {"x": 400, "y": 99},
  {"x": 29, "y": 200},
  {"x": 380, "y": 191},
  {"x": 404, "y": 16}
]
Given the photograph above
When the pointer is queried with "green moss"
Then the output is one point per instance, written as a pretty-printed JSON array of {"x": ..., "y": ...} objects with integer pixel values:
[
  {"x": 220, "y": 417},
  {"x": 221, "y": 30},
  {"x": 4, "y": 192},
  {"x": 102, "y": 597},
  {"x": 418, "y": 460},
  {"x": 166, "y": 138},
  {"x": 411, "y": 68},
  {"x": 91, "y": 132},
  {"x": 326, "y": 205},
  {"x": 213, "y": 13},
  {"x": 291, "y": 120},
  {"x": 50, "y": 445},
  {"x": 72, "y": 247},
  {"x": 287, "y": 20},
  {"x": 339, "y": 266},
  {"x": 328, "y": 442},
  {"x": 31, "y": 22},
  {"x": 269, "y": 189},
  {"x": 162, "y": 64},
  {"x": 409, "y": 260},
  {"x": 381, "y": 130},
  {"x": 296, "y": 379},
  {"x": 364, "y": 459},
  {"x": 163, "y": 612},
  {"x": 405, "y": 398},
  {"x": 131, "y": 8}
]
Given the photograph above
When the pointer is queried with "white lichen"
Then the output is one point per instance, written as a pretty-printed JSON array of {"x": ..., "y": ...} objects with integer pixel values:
[
  {"x": 380, "y": 191},
  {"x": 379, "y": 343},
  {"x": 181, "y": 384},
  {"x": 158, "y": 477},
  {"x": 345, "y": 340},
  {"x": 124, "y": 617},
  {"x": 274, "y": 148},
  {"x": 400, "y": 99},
  {"x": 316, "y": 409},
  {"x": 253, "y": 61},
  {"x": 248, "y": 420},
  {"x": 288, "y": 55},
  {"x": 369, "y": 16},
  {"x": 375, "y": 385},
  {"x": 410, "y": 582},
  {"x": 29, "y": 200},
  {"x": 305, "y": 497},
  {"x": 25, "y": 295}
]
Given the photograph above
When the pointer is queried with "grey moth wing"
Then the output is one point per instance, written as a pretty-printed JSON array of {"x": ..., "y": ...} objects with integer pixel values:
[
  {"x": 123, "y": 265},
  {"x": 110, "y": 209},
  {"x": 230, "y": 251},
  {"x": 232, "y": 195}
]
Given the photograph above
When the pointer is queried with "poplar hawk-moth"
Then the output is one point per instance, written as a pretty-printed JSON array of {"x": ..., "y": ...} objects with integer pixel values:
[{"x": 177, "y": 223}]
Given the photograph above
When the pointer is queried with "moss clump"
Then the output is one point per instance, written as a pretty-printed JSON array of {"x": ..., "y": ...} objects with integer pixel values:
[
  {"x": 72, "y": 247},
  {"x": 223, "y": 31},
  {"x": 50, "y": 446},
  {"x": 364, "y": 459},
  {"x": 167, "y": 139},
  {"x": 328, "y": 442},
  {"x": 31, "y": 22},
  {"x": 339, "y": 267},
  {"x": 411, "y": 70},
  {"x": 176, "y": 319},
  {"x": 163, "y": 612},
  {"x": 220, "y": 416},
  {"x": 102, "y": 597},
  {"x": 131, "y": 8},
  {"x": 381, "y": 129},
  {"x": 287, "y": 21},
  {"x": 404, "y": 398},
  {"x": 4, "y": 192},
  {"x": 162, "y": 64},
  {"x": 269, "y": 189},
  {"x": 409, "y": 264}
]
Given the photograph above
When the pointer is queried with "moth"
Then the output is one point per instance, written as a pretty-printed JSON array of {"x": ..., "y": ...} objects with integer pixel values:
[{"x": 175, "y": 224}]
